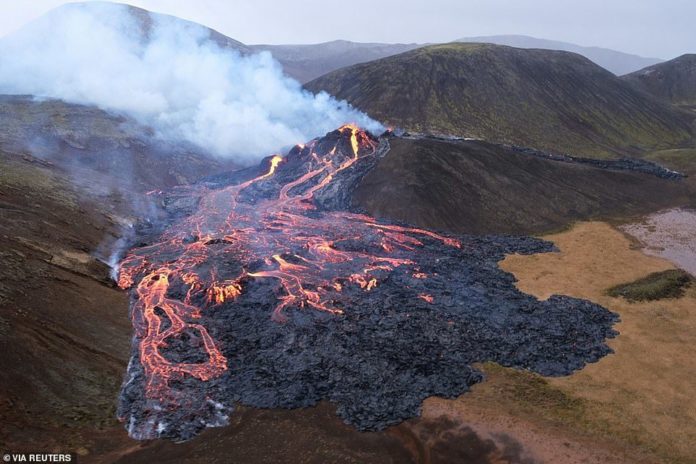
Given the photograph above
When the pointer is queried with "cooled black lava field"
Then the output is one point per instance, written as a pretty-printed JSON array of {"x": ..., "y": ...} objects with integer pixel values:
[{"x": 271, "y": 292}]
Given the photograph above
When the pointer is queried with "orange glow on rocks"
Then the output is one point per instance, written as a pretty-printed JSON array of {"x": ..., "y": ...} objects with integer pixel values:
[{"x": 225, "y": 225}]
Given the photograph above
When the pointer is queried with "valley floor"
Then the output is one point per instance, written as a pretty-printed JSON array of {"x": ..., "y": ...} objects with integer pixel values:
[
  {"x": 668, "y": 234},
  {"x": 634, "y": 406}
]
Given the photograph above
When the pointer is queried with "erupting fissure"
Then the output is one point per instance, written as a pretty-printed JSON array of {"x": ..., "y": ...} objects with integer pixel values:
[{"x": 257, "y": 232}]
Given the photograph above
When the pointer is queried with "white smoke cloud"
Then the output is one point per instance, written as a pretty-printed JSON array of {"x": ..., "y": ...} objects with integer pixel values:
[{"x": 168, "y": 73}]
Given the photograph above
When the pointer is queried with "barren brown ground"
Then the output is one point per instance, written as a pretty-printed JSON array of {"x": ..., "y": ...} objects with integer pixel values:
[
  {"x": 668, "y": 234},
  {"x": 641, "y": 399},
  {"x": 637, "y": 405}
]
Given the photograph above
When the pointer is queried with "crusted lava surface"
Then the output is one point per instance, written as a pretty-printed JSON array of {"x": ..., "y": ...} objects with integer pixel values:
[{"x": 267, "y": 289}]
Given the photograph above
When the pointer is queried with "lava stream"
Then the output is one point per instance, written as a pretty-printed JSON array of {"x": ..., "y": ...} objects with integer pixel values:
[{"x": 269, "y": 229}]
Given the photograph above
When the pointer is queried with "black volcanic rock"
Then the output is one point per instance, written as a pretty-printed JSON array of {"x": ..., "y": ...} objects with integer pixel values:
[{"x": 415, "y": 309}]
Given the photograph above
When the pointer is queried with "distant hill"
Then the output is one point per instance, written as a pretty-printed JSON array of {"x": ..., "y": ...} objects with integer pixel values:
[
  {"x": 301, "y": 62},
  {"x": 617, "y": 62},
  {"x": 551, "y": 100},
  {"x": 307, "y": 62},
  {"x": 673, "y": 80},
  {"x": 146, "y": 18}
]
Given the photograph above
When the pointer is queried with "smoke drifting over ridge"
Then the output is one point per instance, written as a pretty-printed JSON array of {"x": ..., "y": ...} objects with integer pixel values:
[{"x": 170, "y": 74}]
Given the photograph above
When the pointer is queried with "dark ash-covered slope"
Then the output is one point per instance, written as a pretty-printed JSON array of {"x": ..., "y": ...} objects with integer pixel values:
[
  {"x": 64, "y": 328},
  {"x": 479, "y": 187},
  {"x": 80, "y": 137},
  {"x": 72, "y": 179},
  {"x": 545, "y": 99},
  {"x": 673, "y": 80}
]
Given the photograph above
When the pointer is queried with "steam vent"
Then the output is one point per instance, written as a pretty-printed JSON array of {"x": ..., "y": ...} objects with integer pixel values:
[{"x": 268, "y": 288}]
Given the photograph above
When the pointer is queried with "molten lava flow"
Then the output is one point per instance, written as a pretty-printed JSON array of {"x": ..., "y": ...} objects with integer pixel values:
[
  {"x": 271, "y": 293},
  {"x": 152, "y": 294},
  {"x": 427, "y": 298},
  {"x": 266, "y": 228}
]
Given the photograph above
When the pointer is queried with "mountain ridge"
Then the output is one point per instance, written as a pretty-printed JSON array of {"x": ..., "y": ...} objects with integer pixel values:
[
  {"x": 617, "y": 62},
  {"x": 305, "y": 62},
  {"x": 145, "y": 17},
  {"x": 673, "y": 80},
  {"x": 550, "y": 100}
]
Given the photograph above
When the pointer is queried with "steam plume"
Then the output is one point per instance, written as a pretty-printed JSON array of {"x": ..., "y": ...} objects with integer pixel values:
[{"x": 170, "y": 74}]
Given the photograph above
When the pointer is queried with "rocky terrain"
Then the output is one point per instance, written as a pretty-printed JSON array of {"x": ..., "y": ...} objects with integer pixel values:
[
  {"x": 78, "y": 260},
  {"x": 78, "y": 185},
  {"x": 669, "y": 234},
  {"x": 73, "y": 181},
  {"x": 320, "y": 303},
  {"x": 66, "y": 338},
  {"x": 550, "y": 100}
]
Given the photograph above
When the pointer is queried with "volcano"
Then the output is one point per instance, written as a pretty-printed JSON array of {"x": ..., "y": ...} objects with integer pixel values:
[
  {"x": 551, "y": 100},
  {"x": 267, "y": 288}
]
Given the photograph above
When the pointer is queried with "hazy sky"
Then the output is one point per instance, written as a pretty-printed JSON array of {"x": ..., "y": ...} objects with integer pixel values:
[{"x": 662, "y": 29}]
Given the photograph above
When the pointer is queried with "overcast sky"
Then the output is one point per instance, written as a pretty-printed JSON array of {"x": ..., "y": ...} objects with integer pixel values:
[{"x": 661, "y": 29}]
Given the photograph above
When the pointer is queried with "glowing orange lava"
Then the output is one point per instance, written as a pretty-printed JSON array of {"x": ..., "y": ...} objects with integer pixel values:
[
  {"x": 427, "y": 298},
  {"x": 281, "y": 236}
]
